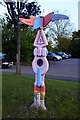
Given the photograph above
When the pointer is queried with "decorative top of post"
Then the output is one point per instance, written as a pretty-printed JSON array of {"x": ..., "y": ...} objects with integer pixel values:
[{"x": 40, "y": 21}]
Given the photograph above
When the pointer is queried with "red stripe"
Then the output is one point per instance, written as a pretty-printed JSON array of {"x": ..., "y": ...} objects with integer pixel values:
[
  {"x": 27, "y": 21},
  {"x": 47, "y": 19},
  {"x": 42, "y": 88}
]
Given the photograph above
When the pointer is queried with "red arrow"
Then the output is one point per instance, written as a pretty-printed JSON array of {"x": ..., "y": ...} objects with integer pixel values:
[
  {"x": 27, "y": 21},
  {"x": 47, "y": 19}
]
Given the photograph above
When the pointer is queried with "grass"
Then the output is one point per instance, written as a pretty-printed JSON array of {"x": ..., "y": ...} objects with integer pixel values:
[
  {"x": 0, "y": 97},
  {"x": 17, "y": 97}
]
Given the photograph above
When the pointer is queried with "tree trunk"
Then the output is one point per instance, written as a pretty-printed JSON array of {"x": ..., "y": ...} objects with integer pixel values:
[{"x": 18, "y": 67}]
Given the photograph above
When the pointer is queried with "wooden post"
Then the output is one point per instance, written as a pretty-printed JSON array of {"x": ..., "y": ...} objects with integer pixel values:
[{"x": 18, "y": 68}]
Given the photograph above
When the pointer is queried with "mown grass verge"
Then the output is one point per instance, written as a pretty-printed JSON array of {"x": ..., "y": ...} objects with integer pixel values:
[{"x": 17, "y": 97}]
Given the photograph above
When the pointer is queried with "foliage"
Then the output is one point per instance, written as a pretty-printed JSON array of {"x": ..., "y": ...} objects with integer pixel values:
[
  {"x": 74, "y": 47},
  {"x": 23, "y": 9},
  {"x": 50, "y": 46},
  {"x": 9, "y": 43},
  {"x": 63, "y": 43},
  {"x": 27, "y": 40},
  {"x": 61, "y": 98},
  {"x": 60, "y": 33},
  {"x": 17, "y": 9},
  {"x": 60, "y": 28},
  {"x": 50, "y": 43}
]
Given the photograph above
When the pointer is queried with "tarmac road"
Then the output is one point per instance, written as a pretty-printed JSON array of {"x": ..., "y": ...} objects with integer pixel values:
[{"x": 66, "y": 69}]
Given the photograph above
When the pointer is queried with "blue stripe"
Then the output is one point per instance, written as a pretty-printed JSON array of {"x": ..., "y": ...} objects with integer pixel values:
[
  {"x": 56, "y": 17},
  {"x": 46, "y": 52},
  {"x": 38, "y": 76},
  {"x": 37, "y": 23}
]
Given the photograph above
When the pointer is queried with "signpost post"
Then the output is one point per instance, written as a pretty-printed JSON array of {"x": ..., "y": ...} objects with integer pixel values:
[{"x": 40, "y": 64}]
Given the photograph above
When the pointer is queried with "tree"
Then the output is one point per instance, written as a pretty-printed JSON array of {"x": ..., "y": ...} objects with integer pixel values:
[
  {"x": 16, "y": 10},
  {"x": 60, "y": 28},
  {"x": 63, "y": 44},
  {"x": 27, "y": 40},
  {"x": 74, "y": 47},
  {"x": 60, "y": 32},
  {"x": 0, "y": 36},
  {"x": 9, "y": 43}
]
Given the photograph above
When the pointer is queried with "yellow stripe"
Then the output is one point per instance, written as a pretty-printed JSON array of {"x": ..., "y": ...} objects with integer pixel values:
[
  {"x": 43, "y": 93},
  {"x": 36, "y": 91}
]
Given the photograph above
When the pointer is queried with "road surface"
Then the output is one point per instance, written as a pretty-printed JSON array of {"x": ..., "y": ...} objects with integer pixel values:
[{"x": 67, "y": 69}]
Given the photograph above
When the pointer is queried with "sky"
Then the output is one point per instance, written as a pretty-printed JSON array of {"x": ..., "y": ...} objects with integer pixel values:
[{"x": 67, "y": 7}]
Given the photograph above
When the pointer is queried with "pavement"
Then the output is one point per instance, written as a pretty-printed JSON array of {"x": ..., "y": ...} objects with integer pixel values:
[{"x": 67, "y": 69}]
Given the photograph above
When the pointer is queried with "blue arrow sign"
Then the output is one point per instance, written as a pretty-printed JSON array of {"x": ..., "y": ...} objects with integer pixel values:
[{"x": 56, "y": 17}]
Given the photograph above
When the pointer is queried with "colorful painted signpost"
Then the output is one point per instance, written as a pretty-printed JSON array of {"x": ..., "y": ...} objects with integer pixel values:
[{"x": 40, "y": 64}]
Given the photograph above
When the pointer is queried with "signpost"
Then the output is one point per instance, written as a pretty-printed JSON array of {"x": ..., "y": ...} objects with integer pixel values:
[
  {"x": 40, "y": 67},
  {"x": 40, "y": 64}
]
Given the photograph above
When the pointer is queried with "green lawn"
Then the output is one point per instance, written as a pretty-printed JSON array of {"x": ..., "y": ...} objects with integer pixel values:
[
  {"x": 0, "y": 96},
  {"x": 17, "y": 97}
]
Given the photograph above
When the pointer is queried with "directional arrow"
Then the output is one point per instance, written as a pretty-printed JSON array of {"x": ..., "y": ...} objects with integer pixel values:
[{"x": 41, "y": 21}]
